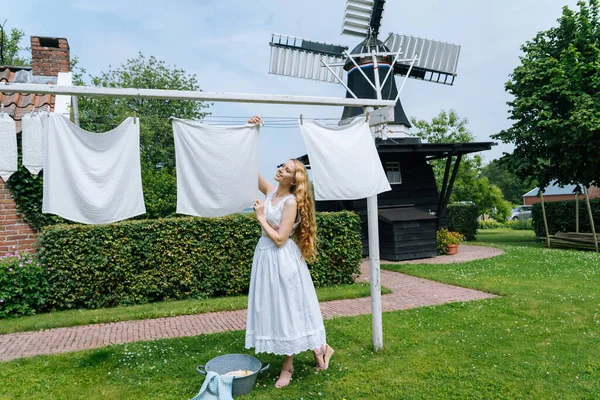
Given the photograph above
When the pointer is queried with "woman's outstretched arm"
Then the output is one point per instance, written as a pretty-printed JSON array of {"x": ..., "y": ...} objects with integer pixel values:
[{"x": 264, "y": 185}]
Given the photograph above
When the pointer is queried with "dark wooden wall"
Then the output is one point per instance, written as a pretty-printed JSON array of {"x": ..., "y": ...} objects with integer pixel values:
[
  {"x": 407, "y": 240},
  {"x": 418, "y": 188}
]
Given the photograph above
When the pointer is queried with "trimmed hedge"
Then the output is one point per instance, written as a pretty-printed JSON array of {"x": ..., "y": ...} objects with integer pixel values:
[
  {"x": 136, "y": 262},
  {"x": 561, "y": 217},
  {"x": 462, "y": 218}
]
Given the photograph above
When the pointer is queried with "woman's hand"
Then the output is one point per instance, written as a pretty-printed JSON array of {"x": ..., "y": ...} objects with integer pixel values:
[
  {"x": 255, "y": 120},
  {"x": 259, "y": 209}
]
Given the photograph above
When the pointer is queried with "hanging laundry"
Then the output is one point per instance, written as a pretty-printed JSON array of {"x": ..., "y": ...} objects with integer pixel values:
[
  {"x": 32, "y": 139},
  {"x": 217, "y": 167},
  {"x": 344, "y": 161},
  {"x": 8, "y": 146},
  {"x": 92, "y": 178}
]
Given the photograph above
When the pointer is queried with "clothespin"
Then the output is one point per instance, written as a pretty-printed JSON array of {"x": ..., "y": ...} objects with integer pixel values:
[
  {"x": 366, "y": 116},
  {"x": 2, "y": 111},
  {"x": 134, "y": 116},
  {"x": 262, "y": 123},
  {"x": 300, "y": 119}
]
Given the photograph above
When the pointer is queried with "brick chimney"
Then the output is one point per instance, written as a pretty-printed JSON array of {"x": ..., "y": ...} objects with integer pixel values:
[{"x": 49, "y": 56}]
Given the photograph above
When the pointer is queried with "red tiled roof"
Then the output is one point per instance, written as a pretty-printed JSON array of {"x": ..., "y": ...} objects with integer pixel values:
[{"x": 18, "y": 104}]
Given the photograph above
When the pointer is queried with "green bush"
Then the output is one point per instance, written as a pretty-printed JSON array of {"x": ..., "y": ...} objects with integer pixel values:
[
  {"x": 462, "y": 218},
  {"x": 524, "y": 224},
  {"x": 561, "y": 217},
  {"x": 160, "y": 193},
  {"x": 136, "y": 262},
  {"x": 489, "y": 224},
  {"x": 23, "y": 286}
]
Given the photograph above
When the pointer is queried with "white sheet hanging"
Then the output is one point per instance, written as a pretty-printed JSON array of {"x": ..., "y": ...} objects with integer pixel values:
[
  {"x": 217, "y": 167},
  {"x": 344, "y": 161},
  {"x": 92, "y": 178},
  {"x": 8, "y": 146},
  {"x": 32, "y": 138}
]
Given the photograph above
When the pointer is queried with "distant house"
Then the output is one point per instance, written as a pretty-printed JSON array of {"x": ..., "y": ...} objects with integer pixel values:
[{"x": 557, "y": 193}]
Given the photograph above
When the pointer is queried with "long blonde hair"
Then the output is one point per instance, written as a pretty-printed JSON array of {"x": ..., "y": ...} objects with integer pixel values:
[{"x": 306, "y": 232}]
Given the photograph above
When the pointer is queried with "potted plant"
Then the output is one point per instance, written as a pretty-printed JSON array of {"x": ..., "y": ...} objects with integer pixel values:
[{"x": 447, "y": 241}]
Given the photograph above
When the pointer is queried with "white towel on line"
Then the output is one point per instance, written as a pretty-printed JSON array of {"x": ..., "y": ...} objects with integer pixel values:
[
  {"x": 92, "y": 178},
  {"x": 32, "y": 136},
  {"x": 344, "y": 161},
  {"x": 217, "y": 167},
  {"x": 8, "y": 146}
]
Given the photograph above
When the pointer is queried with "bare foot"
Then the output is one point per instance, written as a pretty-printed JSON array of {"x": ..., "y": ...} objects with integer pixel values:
[{"x": 285, "y": 376}]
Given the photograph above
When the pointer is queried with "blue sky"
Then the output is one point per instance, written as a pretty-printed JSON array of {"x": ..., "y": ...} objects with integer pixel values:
[{"x": 225, "y": 43}]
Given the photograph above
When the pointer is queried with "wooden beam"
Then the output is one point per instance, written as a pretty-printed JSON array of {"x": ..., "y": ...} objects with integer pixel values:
[
  {"x": 451, "y": 184},
  {"x": 444, "y": 184},
  {"x": 162, "y": 94},
  {"x": 589, "y": 209},
  {"x": 544, "y": 216}
]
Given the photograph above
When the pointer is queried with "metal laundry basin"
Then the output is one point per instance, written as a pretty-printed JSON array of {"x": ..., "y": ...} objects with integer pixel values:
[{"x": 233, "y": 362}]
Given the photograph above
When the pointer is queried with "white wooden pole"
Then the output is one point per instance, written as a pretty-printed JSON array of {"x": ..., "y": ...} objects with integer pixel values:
[
  {"x": 360, "y": 70},
  {"x": 406, "y": 77},
  {"x": 340, "y": 80},
  {"x": 374, "y": 268},
  {"x": 161, "y": 94},
  {"x": 75, "y": 105},
  {"x": 376, "y": 76},
  {"x": 392, "y": 66}
]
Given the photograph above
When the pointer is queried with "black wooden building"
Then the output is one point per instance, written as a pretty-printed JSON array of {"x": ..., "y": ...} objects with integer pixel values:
[{"x": 411, "y": 213}]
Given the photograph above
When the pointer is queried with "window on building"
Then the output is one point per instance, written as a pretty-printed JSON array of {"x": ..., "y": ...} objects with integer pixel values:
[{"x": 392, "y": 169}]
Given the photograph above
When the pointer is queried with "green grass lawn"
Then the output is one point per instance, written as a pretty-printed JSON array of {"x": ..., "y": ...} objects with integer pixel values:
[
  {"x": 162, "y": 309},
  {"x": 540, "y": 340}
]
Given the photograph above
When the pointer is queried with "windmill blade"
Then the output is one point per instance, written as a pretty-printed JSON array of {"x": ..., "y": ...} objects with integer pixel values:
[
  {"x": 363, "y": 17},
  {"x": 437, "y": 61},
  {"x": 301, "y": 58}
]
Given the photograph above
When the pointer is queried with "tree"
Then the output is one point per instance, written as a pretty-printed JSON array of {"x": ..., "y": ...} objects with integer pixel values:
[
  {"x": 449, "y": 127},
  {"x": 556, "y": 112},
  {"x": 9, "y": 47},
  {"x": 511, "y": 186},
  {"x": 157, "y": 153}
]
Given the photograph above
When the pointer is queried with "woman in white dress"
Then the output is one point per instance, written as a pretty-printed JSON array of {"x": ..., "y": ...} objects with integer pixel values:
[{"x": 284, "y": 316}]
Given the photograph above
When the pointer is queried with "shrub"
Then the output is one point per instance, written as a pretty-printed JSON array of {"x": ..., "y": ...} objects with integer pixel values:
[
  {"x": 489, "y": 224},
  {"x": 561, "y": 217},
  {"x": 135, "y": 262},
  {"x": 462, "y": 218},
  {"x": 520, "y": 224},
  {"x": 23, "y": 286}
]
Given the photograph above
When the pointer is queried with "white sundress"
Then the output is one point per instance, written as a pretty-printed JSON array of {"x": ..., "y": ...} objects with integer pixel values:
[{"x": 284, "y": 316}]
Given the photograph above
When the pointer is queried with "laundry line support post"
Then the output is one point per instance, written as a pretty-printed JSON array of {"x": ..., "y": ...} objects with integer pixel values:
[
  {"x": 374, "y": 268},
  {"x": 75, "y": 108}
]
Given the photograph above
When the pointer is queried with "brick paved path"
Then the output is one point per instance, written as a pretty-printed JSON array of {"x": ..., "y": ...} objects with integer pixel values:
[{"x": 408, "y": 292}]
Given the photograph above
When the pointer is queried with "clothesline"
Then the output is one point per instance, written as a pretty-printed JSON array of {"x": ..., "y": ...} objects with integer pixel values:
[
  {"x": 271, "y": 122},
  {"x": 165, "y": 116}
]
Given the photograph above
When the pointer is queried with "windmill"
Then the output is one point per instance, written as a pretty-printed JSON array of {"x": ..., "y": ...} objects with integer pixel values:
[{"x": 372, "y": 65}]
